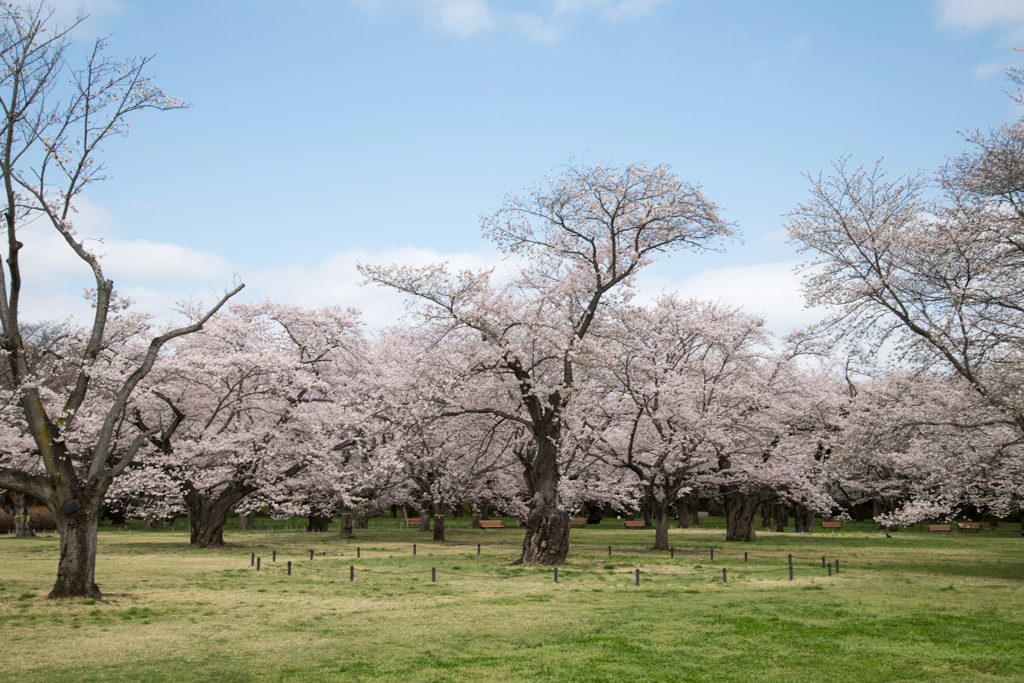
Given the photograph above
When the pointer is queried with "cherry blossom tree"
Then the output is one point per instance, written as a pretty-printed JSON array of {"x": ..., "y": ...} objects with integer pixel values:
[
  {"x": 256, "y": 398},
  {"x": 581, "y": 239},
  {"x": 55, "y": 121}
]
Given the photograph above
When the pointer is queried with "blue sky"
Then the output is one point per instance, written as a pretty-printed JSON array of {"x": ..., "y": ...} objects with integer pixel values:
[{"x": 326, "y": 132}]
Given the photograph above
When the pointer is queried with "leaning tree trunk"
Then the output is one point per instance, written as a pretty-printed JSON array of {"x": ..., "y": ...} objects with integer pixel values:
[
  {"x": 740, "y": 511},
  {"x": 547, "y": 524},
  {"x": 22, "y": 520},
  {"x": 661, "y": 510}
]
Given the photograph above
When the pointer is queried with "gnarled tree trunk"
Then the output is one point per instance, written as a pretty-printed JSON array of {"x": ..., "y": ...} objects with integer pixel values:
[
  {"x": 207, "y": 514},
  {"x": 547, "y": 524},
  {"x": 77, "y": 522},
  {"x": 740, "y": 510},
  {"x": 661, "y": 510}
]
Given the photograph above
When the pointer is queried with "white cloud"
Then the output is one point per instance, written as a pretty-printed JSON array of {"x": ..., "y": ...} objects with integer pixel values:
[
  {"x": 799, "y": 43},
  {"x": 975, "y": 14},
  {"x": 769, "y": 289},
  {"x": 536, "y": 29},
  {"x": 610, "y": 9},
  {"x": 462, "y": 18}
]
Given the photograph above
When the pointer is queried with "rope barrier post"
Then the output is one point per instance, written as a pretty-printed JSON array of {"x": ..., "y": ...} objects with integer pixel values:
[
  {"x": 258, "y": 564},
  {"x": 556, "y": 574},
  {"x": 744, "y": 555},
  {"x": 837, "y": 566},
  {"x": 830, "y": 569},
  {"x": 712, "y": 554},
  {"x": 791, "y": 559},
  {"x": 477, "y": 548},
  {"x": 723, "y": 575},
  {"x": 289, "y": 567},
  {"x": 252, "y": 560},
  {"x": 274, "y": 557},
  {"x": 638, "y": 576},
  {"x": 672, "y": 552},
  {"x": 311, "y": 554},
  {"x": 822, "y": 561},
  {"x": 790, "y": 572},
  {"x": 351, "y": 573},
  {"x": 433, "y": 575},
  {"x": 358, "y": 550},
  {"x": 413, "y": 548},
  {"x": 609, "y": 551}
]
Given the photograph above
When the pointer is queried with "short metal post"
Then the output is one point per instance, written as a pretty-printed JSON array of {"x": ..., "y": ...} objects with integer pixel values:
[
  {"x": 289, "y": 567},
  {"x": 723, "y": 575},
  {"x": 358, "y": 550},
  {"x": 712, "y": 554},
  {"x": 744, "y": 555},
  {"x": 830, "y": 569},
  {"x": 413, "y": 548},
  {"x": 791, "y": 559},
  {"x": 274, "y": 557},
  {"x": 433, "y": 574},
  {"x": 672, "y": 552},
  {"x": 252, "y": 560},
  {"x": 258, "y": 564},
  {"x": 790, "y": 572},
  {"x": 822, "y": 561},
  {"x": 351, "y": 573},
  {"x": 477, "y": 548},
  {"x": 609, "y": 551},
  {"x": 311, "y": 554},
  {"x": 837, "y": 566},
  {"x": 638, "y": 577},
  {"x": 556, "y": 574}
]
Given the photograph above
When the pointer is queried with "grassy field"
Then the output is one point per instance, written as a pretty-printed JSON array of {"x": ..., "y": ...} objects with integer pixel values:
[{"x": 914, "y": 607}]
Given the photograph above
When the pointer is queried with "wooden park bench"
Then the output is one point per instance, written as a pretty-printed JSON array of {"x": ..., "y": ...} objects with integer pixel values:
[
  {"x": 491, "y": 524},
  {"x": 940, "y": 527},
  {"x": 969, "y": 526},
  {"x": 635, "y": 525},
  {"x": 832, "y": 525},
  {"x": 412, "y": 521},
  {"x": 579, "y": 522}
]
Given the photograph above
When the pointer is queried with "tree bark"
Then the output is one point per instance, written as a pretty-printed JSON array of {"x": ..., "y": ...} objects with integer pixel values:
[
  {"x": 438, "y": 527},
  {"x": 681, "y": 512},
  {"x": 804, "y": 518},
  {"x": 547, "y": 525},
  {"x": 475, "y": 523},
  {"x": 76, "y": 569},
  {"x": 207, "y": 515},
  {"x": 318, "y": 523},
  {"x": 695, "y": 509},
  {"x": 346, "y": 525},
  {"x": 740, "y": 510},
  {"x": 424, "y": 520},
  {"x": 19, "y": 511},
  {"x": 661, "y": 510}
]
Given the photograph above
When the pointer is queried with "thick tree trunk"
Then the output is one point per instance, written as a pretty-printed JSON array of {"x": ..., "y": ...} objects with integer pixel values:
[
  {"x": 695, "y": 510},
  {"x": 318, "y": 523},
  {"x": 547, "y": 524},
  {"x": 681, "y": 512},
  {"x": 660, "y": 511},
  {"x": 547, "y": 536},
  {"x": 424, "y": 520},
  {"x": 438, "y": 527},
  {"x": 740, "y": 511},
  {"x": 207, "y": 516},
  {"x": 76, "y": 569},
  {"x": 362, "y": 518},
  {"x": 804, "y": 518},
  {"x": 346, "y": 525},
  {"x": 475, "y": 523},
  {"x": 19, "y": 511},
  {"x": 766, "y": 516}
]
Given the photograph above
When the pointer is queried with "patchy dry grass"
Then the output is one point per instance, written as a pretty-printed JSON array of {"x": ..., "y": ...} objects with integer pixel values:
[{"x": 914, "y": 607}]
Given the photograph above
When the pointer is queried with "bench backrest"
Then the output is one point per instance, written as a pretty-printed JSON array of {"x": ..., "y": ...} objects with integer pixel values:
[
  {"x": 413, "y": 521},
  {"x": 491, "y": 524},
  {"x": 940, "y": 527},
  {"x": 579, "y": 522},
  {"x": 638, "y": 525},
  {"x": 831, "y": 525}
]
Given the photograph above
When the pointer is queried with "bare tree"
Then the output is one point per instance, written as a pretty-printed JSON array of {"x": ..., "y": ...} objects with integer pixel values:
[{"x": 55, "y": 122}]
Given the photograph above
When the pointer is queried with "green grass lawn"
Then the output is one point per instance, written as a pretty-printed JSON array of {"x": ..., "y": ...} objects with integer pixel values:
[{"x": 913, "y": 607}]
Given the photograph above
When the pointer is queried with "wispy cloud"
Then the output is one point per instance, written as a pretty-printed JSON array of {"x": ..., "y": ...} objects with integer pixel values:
[
  {"x": 462, "y": 18},
  {"x": 469, "y": 18}
]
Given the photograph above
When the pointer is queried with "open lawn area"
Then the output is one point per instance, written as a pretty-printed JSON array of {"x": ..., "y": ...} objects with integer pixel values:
[{"x": 913, "y": 607}]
